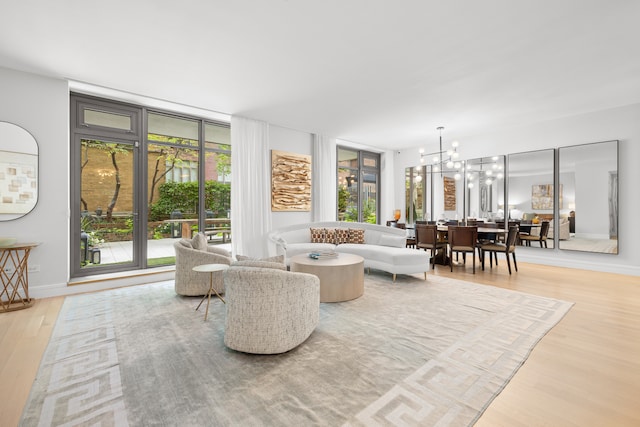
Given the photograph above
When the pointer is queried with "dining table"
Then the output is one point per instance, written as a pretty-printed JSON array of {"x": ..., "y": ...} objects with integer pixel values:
[{"x": 484, "y": 233}]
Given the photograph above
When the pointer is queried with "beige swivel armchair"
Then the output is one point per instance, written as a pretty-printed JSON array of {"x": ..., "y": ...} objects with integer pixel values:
[
  {"x": 193, "y": 252},
  {"x": 269, "y": 310},
  {"x": 563, "y": 230}
]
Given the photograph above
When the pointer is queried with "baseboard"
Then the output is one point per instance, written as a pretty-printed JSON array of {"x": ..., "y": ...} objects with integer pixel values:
[
  {"x": 550, "y": 257},
  {"x": 101, "y": 282}
]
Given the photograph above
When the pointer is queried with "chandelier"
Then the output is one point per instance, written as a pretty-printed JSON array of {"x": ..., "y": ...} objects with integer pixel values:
[
  {"x": 487, "y": 170},
  {"x": 443, "y": 158}
]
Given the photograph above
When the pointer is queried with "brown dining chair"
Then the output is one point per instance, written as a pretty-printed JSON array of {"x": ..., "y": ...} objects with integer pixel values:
[
  {"x": 427, "y": 238},
  {"x": 487, "y": 237},
  {"x": 462, "y": 239},
  {"x": 542, "y": 238},
  {"x": 507, "y": 248}
]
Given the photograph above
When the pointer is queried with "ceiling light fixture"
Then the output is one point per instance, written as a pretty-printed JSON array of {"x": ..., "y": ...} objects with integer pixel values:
[{"x": 441, "y": 158}]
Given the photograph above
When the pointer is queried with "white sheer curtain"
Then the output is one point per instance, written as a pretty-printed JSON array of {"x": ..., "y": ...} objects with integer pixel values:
[
  {"x": 250, "y": 187},
  {"x": 323, "y": 175}
]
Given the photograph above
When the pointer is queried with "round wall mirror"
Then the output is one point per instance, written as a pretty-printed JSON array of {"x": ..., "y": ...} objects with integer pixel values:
[{"x": 18, "y": 172}]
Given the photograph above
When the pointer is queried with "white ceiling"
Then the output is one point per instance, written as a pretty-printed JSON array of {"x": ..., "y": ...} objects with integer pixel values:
[{"x": 375, "y": 72}]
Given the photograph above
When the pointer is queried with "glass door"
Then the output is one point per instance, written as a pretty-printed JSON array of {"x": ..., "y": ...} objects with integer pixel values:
[
  {"x": 105, "y": 192},
  {"x": 108, "y": 218}
]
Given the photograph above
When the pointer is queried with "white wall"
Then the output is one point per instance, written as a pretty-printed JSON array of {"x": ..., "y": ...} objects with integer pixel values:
[
  {"x": 41, "y": 106},
  {"x": 292, "y": 141},
  {"x": 621, "y": 123}
]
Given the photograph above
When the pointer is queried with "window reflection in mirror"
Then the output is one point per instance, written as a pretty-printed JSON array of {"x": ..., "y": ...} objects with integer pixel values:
[
  {"x": 589, "y": 177},
  {"x": 18, "y": 171},
  {"x": 485, "y": 181},
  {"x": 531, "y": 193},
  {"x": 415, "y": 194}
]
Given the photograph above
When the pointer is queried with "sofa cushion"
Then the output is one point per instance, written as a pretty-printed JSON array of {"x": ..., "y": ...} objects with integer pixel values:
[
  {"x": 393, "y": 241},
  {"x": 219, "y": 251},
  {"x": 299, "y": 235},
  {"x": 186, "y": 243},
  {"x": 199, "y": 242},
  {"x": 342, "y": 235},
  {"x": 356, "y": 235},
  {"x": 385, "y": 254},
  {"x": 330, "y": 235},
  {"x": 317, "y": 235}
]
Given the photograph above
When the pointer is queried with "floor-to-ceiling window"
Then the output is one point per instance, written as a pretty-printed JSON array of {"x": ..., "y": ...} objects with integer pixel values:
[
  {"x": 118, "y": 222},
  {"x": 358, "y": 185}
]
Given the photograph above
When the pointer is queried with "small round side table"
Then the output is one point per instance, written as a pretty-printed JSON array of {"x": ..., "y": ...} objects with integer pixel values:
[{"x": 210, "y": 268}]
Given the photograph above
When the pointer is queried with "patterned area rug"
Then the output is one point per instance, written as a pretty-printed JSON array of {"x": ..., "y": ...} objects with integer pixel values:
[{"x": 410, "y": 353}]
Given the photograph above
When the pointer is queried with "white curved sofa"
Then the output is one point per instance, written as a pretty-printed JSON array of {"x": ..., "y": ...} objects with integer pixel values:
[{"x": 384, "y": 248}]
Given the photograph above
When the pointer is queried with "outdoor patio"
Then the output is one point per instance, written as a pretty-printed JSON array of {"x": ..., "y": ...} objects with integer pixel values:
[{"x": 114, "y": 252}]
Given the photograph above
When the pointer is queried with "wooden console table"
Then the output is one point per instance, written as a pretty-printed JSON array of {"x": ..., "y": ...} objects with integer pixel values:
[{"x": 14, "y": 276}]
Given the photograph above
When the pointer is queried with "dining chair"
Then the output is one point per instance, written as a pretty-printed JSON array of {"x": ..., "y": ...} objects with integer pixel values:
[
  {"x": 427, "y": 238},
  {"x": 486, "y": 238},
  {"x": 542, "y": 238},
  {"x": 462, "y": 239},
  {"x": 507, "y": 248}
]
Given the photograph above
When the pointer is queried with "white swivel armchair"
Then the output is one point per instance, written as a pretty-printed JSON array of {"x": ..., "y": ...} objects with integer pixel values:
[
  {"x": 192, "y": 283},
  {"x": 269, "y": 310}
]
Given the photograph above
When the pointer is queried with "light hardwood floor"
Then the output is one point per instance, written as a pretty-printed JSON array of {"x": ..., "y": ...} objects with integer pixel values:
[{"x": 584, "y": 372}]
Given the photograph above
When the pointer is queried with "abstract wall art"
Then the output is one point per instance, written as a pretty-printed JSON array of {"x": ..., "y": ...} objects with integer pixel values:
[{"x": 290, "y": 182}]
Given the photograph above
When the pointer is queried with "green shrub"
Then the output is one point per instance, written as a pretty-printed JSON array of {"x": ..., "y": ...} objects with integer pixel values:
[{"x": 183, "y": 196}]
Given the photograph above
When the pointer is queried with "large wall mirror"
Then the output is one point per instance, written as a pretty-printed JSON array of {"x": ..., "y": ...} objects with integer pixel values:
[
  {"x": 485, "y": 184},
  {"x": 531, "y": 193},
  {"x": 589, "y": 177},
  {"x": 415, "y": 194},
  {"x": 447, "y": 201},
  {"x": 18, "y": 171}
]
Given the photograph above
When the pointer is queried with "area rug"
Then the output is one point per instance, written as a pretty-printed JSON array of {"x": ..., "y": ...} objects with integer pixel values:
[{"x": 409, "y": 353}]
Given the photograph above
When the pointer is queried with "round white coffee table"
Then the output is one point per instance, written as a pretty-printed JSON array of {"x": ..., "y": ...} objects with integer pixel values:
[
  {"x": 341, "y": 278},
  {"x": 209, "y": 268}
]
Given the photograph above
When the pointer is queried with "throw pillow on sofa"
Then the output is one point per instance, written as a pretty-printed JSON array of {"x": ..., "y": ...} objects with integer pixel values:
[
  {"x": 356, "y": 235},
  {"x": 330, "y": 235},
  {"x": 342, "y": 235},
  {"x": 317, "y": 235}
]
